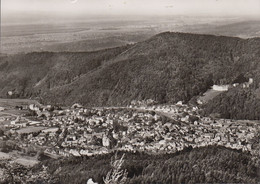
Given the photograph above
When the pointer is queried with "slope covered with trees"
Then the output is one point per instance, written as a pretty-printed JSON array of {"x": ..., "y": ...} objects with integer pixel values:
[
  {"x": 239, "y": 102},
  {"x": 167, "y": 68},
  {"x": 235, "y": 104},
  {"x": 201, "y": 165}
]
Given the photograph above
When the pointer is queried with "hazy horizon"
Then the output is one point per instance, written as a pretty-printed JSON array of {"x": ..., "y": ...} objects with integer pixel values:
[
  {"x": 87, "y": 25},
  {"x": 56, "y": 10}
]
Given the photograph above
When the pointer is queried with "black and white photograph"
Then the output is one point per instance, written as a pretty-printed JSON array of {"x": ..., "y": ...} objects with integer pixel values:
[{"x": 130, "y": 92}]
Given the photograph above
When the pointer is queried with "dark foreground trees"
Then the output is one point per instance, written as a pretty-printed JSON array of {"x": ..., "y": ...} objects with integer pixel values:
[{"x": 202, "y": 165}]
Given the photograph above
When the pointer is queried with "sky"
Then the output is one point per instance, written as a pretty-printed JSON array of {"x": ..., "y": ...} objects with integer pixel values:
[{"x": 132, "y": 7}]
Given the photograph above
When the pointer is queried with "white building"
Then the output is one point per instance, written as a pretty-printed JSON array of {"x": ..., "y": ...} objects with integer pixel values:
[{"x": 220, "y": 87}]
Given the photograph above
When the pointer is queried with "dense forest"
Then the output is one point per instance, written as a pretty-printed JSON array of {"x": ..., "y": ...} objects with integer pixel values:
[
  {"x": 167, "y": 68},
  {"x": 235, "y": 104},
  {"x": 201, "y": 165}
]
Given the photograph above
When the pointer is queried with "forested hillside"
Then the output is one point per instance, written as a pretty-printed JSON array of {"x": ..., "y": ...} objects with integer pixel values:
[
  {"x": 167, "y": 68},
  {"x": 27, "y": 74},
  {"x": 237, "y": 103},
  {"x": 201, "y": 165}
]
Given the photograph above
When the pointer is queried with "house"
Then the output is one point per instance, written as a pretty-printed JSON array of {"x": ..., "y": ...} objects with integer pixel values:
[
  {"x": 98, "y": 134},
  {"x": 106, "y": 141},
  {"x": 209, "y": 136},
  {"x": 51, "y": 130},
  {"x": 220, "y": 87},
  {"x": 17, "y": 120},
  {"x": 41, "y": 137},
  {"x": 162, "y": 142},
  {"x": 179, "y": 103},
  {"x": 71, "y": 138},
  {"x": 74, "y": 152},
  {"x": 33, "y": 107},
  {"x": 76, "y": 105},
  {"x": 196, "y": 123}
]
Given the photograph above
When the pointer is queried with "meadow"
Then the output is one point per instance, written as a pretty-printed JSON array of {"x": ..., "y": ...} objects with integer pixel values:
[{"x": 9, "y": 106}]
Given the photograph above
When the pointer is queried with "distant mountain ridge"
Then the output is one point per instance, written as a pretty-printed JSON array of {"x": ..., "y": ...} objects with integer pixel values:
[{"x": 168, "y": 67}]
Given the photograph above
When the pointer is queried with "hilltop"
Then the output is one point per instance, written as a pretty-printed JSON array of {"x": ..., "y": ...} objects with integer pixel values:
[{"x": 167, "y": 68}]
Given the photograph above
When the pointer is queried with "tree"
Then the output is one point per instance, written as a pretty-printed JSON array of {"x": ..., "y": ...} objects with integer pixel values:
[
  {"x": 1, "y": 132},
  {"x": 116, "y": 175},
  {"x": 4, "y": 146},
  {"x": 181, "y": 178},
  {"x": 40, "y": 154}
]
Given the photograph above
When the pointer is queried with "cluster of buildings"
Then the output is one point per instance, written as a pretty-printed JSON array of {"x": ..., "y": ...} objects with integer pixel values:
[
  {"x": 196, "y": 131},
  {"x": 156, "y": 129},
  {"x": 244, "y": 84}
]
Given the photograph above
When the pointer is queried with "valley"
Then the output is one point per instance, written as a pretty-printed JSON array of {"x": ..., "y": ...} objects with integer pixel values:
[
  {"x": 129, "y": 91},
  {"x": 164, "y": 98},
  {"x": 49, "y": 132}
]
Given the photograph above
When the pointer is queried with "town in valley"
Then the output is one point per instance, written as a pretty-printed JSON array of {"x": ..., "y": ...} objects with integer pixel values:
[{"x": 45, "y": 131}]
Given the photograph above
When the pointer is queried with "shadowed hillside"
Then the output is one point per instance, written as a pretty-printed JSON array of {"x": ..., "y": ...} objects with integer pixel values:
[
  {"x": 200, "y": 165},
  {"x": 167, "y": 68}
]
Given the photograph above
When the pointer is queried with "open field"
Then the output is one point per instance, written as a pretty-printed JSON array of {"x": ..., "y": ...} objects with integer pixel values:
[
  {"x": 74, "y": 37},
  {"x": 28, "y": 162},
  {"x": 29, "y": 130},
  {"x": 8, "y": 106},
  {"x": 23, "y": 160},
  {"x": 208, "y": 95},
  {"x": 10, "y": 103},
  {"x": 91, "y": 35}
]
